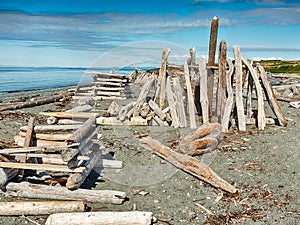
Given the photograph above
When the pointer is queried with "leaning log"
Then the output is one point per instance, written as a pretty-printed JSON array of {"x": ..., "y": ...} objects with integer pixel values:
[
  {"x": 28, "y": 190},
  {"x": 101, "y": 218},
  {"x": 79, "y": 134},
  {"x": 187, "y": 163},
  {"x": 34, "y": 208}
]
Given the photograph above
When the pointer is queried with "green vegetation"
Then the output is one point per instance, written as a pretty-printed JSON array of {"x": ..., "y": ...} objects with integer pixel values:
[{"x": 281, "y": 66}]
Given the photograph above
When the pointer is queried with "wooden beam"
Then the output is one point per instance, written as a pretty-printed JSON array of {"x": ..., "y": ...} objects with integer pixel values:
[{"x": 162, "y": 77}]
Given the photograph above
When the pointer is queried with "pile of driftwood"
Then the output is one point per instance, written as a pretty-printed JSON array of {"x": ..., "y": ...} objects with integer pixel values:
[{"x": 105, "y": 86}]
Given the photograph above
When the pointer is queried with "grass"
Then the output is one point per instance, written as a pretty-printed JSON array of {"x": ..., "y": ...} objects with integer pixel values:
[{"x": 281, "y": 66}]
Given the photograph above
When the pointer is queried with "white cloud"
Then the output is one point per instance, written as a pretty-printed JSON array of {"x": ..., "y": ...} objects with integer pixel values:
[{"x": 255, "y": 58}]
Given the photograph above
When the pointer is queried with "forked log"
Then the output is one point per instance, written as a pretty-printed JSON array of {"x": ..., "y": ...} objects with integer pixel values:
[
  {"x": 187, "y": 163},
  {"x": 35, "y": 208},
  {"x": 28, "y": 190},
  {"x": 101, "y": 218},
  {"x": 271, "y": 96}
]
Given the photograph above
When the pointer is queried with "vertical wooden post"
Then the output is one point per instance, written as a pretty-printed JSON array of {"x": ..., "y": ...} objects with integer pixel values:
[
  {"x": 179, "y": 101},
  {"x": 190, "y": 99},
  {"x": 239, "y": 89},
  {"x": 221, "y": 96},
  {"x": 162, "y": 77},
  {"x": 203, "y": 90},
  {"x": 211, "y": 61},
  {"x": 271, "y": 96},
  {"x": 172, "y": 106},
  {"x": 229, "y": 101}
]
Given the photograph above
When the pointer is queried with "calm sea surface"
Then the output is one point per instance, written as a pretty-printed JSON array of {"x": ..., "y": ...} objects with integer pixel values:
[{"x": 15, "y": 79}]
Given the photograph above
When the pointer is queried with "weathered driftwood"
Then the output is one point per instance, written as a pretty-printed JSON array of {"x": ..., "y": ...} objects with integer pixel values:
[
  {"x": 197, "y": 139},
  {"x": 124, "y": 110},
  {"x": 28, "y": 190},
  {"x": 101, "y": 218},
  {"x": 159, "y": 121},
  {"x": 162, "y": 77},
  {"x": 27, "y": 208},
  {"x": 113, "y": 109},
  {"x": 107, "y": 75},
  {"x": 29, "y": 132},
  {"x": 142, "y": 96},
  {"x": 75, "y": 180},
  {"x": 179, "y": 102},
  {"x": 6, "y": 175},
  {"x": 108, "y": 93},
  {"x": 172, "y": 105},
  {"x": 239, "y": 89},
  {"x": 190, "y": 98},
  {"x": 260, "y": 101},
  {"x": 221, "y": 94},
  {"x": 271, "y": 96},
  {"x": 40, "y": 143},
  {"x": 81, "y": 108},
  {"x": 186, "y": 163},
  {"x": 113, "y": 121},
  {"x": 69, "y": 115},
  {"x": 37, "y": 102},
  {"x": 144, "y": 110},
  {"x": 49, "y": 137},
  {"x": 157, "y": 110},
  {"x": 70, "y": 121},
  {"x": 51, "y": 128},
  {"x": 52, "y": 120},
  {"x": 203, "y": 90},
  {"x": 82, "y": 131},
  {"x": 132, "y": 75},
  {"x": 229, "y": 101},
  {"x": 211, "y": 62}
]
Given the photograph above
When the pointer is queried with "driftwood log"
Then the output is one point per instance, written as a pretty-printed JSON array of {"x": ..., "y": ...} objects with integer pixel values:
[
  {"x": 28, "y": 190},
  {"x": 187, "y": 163},
  {"x": 162, "y": 77},
  {"x": 101, "y": 218},
  {"x": 19, "y": 208}
]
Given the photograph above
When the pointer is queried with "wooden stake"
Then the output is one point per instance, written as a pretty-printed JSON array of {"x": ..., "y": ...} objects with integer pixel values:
[
  {"x": 191, "y": 102},
  {"x": 179, "y": 101},
  {"x": 204, "y": 90},
  {"x": 239, "y": 89},
  {"x": 162, "y": 77},
  {"x": 172, "y": 106}
]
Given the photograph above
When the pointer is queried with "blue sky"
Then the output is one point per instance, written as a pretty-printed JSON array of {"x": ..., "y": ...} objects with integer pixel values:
[{"x": 81, "y": 33}]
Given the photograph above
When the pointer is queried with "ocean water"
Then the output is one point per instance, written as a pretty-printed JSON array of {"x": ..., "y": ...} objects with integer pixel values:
[{"x": 16, "y": 79}]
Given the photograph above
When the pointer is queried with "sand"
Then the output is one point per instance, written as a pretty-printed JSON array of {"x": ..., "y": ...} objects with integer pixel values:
[{"x": 263, "y": 165}]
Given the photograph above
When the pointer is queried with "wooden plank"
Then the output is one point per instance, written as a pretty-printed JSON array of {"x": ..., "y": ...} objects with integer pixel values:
[
  {"x": 40, "y": 143},
  {"x": 203, "y": 90},
  {"x": 46, "y": 167},
  {"x": 29, "y": 132},
  {"x": 48, "y": 137},
  {"x": 113, "y": 121},
  {"x": 239, "y": 89},
  {"x": 162, "y": 77},
  {"x": 271, "y": 96},
  {"x": 191, "y": 103}
]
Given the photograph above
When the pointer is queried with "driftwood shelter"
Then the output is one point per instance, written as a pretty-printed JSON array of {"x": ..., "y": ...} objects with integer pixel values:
[{"x": 210, "y": 98}]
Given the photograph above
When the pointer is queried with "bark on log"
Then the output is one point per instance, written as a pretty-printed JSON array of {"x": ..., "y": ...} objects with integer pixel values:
[
  {"x": 162, "y": 77},
  {"x": 186, "y": 163},
  {"x": 239, "y": 89},
  {"x": 271, "y": 96},
  {"x": 34, "y": 208},
  {"x": 211, "y": 62},
  {"x": 190, "y": 98},
  {"x": 101, "y": 218},
  {"x": 203, "y": 91},
  {"x": 229, "y": 101},
  {"x": 28, "y": 190},
  {"x": 37, "y": 102}
]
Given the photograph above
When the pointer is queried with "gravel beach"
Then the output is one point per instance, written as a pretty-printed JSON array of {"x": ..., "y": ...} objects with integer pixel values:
[{"x": 263, "y": 165}]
